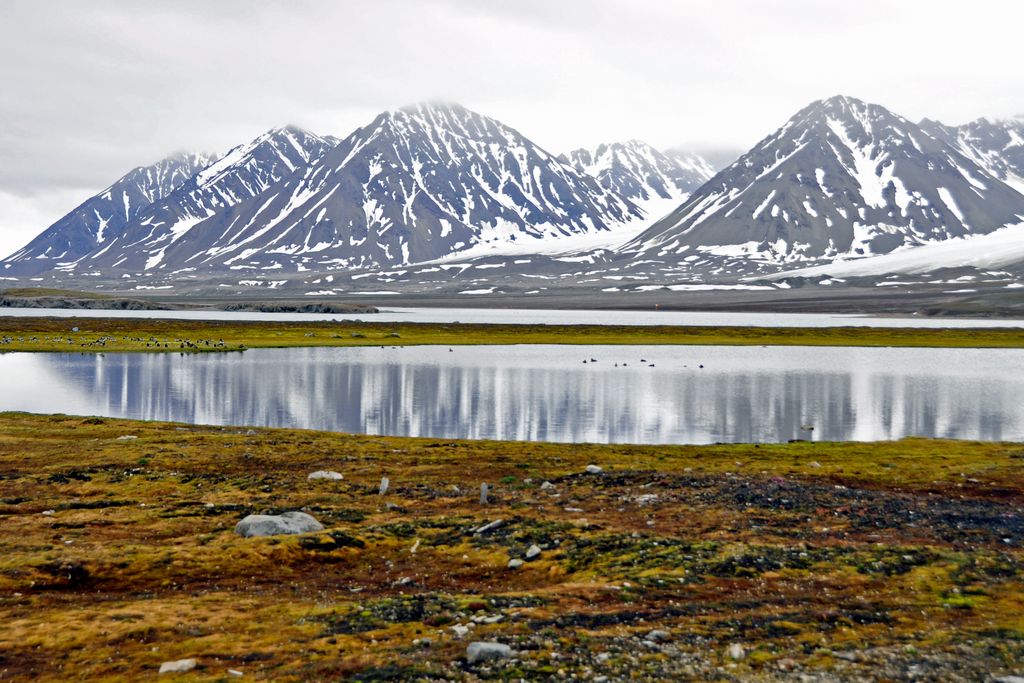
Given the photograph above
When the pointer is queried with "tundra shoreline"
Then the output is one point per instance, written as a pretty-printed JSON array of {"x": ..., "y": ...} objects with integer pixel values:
[
  {"x": 164, "y": 335},
  {"x": 831, "y": 561}
]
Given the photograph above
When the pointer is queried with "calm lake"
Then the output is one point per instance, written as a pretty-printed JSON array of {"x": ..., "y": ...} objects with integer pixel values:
[{"x": 548, "y": 393}]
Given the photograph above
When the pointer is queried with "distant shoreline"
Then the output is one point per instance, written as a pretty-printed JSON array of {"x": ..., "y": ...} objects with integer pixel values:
[
  {"x": 91, "y": 301},
  {"x": 85, "y": 334}
]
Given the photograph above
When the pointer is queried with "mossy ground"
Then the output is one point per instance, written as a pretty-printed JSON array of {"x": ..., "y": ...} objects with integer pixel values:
[
  {"x": 831, "y": 560},
  {"x": 133, "y": 334}
]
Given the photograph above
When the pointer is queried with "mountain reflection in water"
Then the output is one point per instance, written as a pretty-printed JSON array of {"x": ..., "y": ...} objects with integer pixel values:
[{"x": 547, "y": 393}]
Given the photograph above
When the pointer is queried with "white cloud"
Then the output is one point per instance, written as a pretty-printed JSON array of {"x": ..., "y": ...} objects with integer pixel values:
[
  {"x": 94, "y": 89},
  {"x": 23, "y": 216}
]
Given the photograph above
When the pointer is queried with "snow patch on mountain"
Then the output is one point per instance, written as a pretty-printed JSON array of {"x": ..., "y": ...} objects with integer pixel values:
[
  {"x": 996, "y": 249},
  {"x": 641, "y": 173}
]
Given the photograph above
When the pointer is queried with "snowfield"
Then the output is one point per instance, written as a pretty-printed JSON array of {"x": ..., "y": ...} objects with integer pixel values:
[{"x": 994, "y": 250}]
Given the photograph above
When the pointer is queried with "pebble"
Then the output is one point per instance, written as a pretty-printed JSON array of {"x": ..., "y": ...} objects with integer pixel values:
[
  {"x": 533, "y": 552},
  {"x": 515, "y": 563},
  {"x": 126, "y": 437},
  {"x": 325, "y": 474},
  {"x": 735, "y": 652},
  {"x": 594, "y": 469},
  {"x": 547, "y": 486},
  {"x": 178, "y": 666},
  {"x": 385, "y": 483},
  {"x": 659, "y": 636},
  {"x": 486, "y": 651}
]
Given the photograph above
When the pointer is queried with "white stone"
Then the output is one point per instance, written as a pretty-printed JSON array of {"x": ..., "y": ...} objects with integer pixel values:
[
  {"x": 735, "y": 651},
  {"x": 515, "y": 563},
  {"x": 490, "y": 526},
  {"x": 178, "y": 667},
  {"x": 533, "y": 552},
  {"x": 325, "y": 474},
  {"x": 594, "y": 469}
]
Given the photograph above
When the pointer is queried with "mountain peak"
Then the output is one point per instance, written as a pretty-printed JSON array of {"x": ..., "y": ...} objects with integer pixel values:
[
  {"x": 417, "y": 183},
  {"x": 640, "y": 172},
  {"x": 842, "y": 177},
  {"x": 99, "y": 219}
]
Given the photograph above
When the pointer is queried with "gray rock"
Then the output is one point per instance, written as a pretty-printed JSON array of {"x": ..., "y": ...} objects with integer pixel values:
[
  {"x": 594, "y": 469},
  {"x": 1009, "y": 679},
  {"x": 385, "y": 484},
  {"x": 325, "y": 474},
  {"x": 515, "y": 563},
  {"x": 533, "y": 552},
  {"x": 659, "y": 636},
  {"x": 178, "y": 666},
  {"x": 547, "y": 486},
  {"x": 483, "y": 494},
  {"x": 273, "y": 525},
  {"x": 486, "y": 651}
]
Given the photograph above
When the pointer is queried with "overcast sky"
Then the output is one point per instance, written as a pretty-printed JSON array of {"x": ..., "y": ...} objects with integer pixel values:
[{"x": 90, "y": 89}]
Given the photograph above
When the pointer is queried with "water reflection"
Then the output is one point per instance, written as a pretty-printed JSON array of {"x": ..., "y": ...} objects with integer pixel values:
[{"x": 547, "y": 392}]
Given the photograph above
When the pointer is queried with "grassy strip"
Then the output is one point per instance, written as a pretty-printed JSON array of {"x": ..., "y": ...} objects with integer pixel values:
[
  {"x": 112, "y": 334},
  {"x": 42, "y": 292},
  {"x": 865, "y": 560}
]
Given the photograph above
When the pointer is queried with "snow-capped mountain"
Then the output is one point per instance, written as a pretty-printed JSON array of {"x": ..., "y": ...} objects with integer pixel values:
[
  {"x": 640, "y": 172},
  {"x": 244, "y": 172},
  {"x": 104, "y": 216},
  {"x": 416, "y": 184},
  {"x": 840, "y": 178},
  {"x": 997, "y": 146}
]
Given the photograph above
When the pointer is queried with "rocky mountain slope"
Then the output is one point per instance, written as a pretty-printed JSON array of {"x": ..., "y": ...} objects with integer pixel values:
[
  {"x": 997, "y": 146},
  {"x": 101, "y": 218},
  {"x": 416, "y": 184},
  {"x": 640, "y": 172},
  {"x": 243, "y": 173},
  {"x": 841, "y": 178}
]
